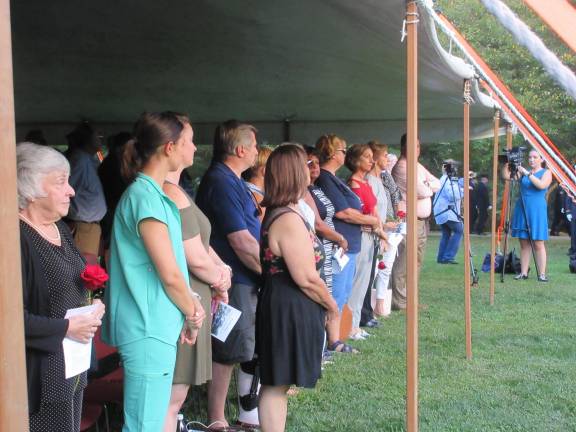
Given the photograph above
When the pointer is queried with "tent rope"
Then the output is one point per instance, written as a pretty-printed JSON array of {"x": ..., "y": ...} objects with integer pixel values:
[{"x": 404, "y": 33}]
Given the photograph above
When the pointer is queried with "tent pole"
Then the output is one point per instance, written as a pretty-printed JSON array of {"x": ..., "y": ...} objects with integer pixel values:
[
  {"x": 13, "y": 397},
  {"x": 466, "y": 176},
  {"x": 411, "y": 219},
  {"x": 494, "y": 206}
]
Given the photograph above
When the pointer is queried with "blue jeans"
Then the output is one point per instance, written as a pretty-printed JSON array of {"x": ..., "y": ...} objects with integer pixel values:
[
  {"x": 342, "y": 280},
  {"x": 450, "y": 241}
]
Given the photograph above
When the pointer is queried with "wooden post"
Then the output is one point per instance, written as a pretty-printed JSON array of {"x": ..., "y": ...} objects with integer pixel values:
[
  {"x": 466, "y": 177},
  {"x": 411, "y": 218},
  {"x": 494, "y": 205},
  {"x": 13, "y": 396}
]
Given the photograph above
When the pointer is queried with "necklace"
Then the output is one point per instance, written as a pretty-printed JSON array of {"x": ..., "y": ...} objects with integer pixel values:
[{"x": 37, "y": 228}]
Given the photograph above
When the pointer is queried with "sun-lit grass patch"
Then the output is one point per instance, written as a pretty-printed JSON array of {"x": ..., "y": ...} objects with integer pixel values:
[{"x": 522, "y": 376}]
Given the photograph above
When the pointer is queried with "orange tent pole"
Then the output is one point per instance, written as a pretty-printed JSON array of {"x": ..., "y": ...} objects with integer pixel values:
[
  {"x": 466, "y": 176},
  {"x": 494, "y": 205},
  {"x": 13, "y": 397},
  {"x": 411, "y": 218},
  {"x": 560, "y": 16}
]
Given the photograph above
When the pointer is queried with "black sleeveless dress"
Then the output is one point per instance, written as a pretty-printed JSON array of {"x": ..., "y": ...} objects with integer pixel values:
[{"x": 289, "y": 325}]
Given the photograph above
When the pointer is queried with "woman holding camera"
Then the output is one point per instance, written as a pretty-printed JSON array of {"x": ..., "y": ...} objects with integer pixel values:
[{"x": 530, "y": 219}]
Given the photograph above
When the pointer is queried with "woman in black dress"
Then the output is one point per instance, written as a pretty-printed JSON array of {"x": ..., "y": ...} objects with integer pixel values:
[
  {"x": 51, "y": 268},
  {"x": 294, "y": 300}
]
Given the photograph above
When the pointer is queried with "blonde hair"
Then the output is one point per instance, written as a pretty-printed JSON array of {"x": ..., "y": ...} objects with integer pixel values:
[
  {"x": 263, "y": 155},
  {"x": 327, "y": 145},
  {"x": 377, "y": 148}
]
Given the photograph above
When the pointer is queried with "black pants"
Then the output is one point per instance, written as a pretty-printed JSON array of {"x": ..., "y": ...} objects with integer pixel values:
[
  {"x": 481, "y": 220},
  {"x": 573, "y": 235}
]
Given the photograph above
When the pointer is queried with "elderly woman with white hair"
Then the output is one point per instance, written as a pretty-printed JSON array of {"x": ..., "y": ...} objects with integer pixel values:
[{"x": 51, "y": 268}]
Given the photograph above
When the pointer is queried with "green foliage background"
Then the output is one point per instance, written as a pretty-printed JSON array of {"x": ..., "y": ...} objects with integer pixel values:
[{"x": 546, "y": 101}]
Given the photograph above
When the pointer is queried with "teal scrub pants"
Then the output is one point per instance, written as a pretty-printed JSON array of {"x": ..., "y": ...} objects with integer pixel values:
[{"x": 148, "y": 371}]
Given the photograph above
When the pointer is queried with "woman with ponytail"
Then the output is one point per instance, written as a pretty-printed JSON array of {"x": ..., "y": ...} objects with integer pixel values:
[{"x": 151, "y": 304}]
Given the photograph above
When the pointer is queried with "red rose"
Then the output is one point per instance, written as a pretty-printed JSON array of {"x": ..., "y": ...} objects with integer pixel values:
[
  {"x": 94, "y": 277},
  {"x": 381, "y": 265},
  {"x": 400, "y": 214}
]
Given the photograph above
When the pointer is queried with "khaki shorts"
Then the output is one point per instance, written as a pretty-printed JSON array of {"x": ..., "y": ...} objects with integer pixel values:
[{"x": 87, "y": 237}]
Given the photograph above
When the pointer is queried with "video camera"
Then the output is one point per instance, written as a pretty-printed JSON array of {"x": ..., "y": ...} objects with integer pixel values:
[
  {"x": 513, "y": 157},
  {"x": 450, "y": 167}
]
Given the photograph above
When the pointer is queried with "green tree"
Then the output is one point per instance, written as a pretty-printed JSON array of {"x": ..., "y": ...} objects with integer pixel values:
[{"x": 551, "y": 107}]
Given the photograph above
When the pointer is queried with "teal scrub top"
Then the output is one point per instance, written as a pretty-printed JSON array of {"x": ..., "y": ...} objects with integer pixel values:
[{"x": 137, "y": 305}]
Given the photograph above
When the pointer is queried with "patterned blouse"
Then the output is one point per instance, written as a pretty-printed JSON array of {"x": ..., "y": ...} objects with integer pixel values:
[{"x": 392, "y": 193}]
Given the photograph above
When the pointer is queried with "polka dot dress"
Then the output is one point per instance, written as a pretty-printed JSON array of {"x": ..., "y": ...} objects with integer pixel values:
[{"x": 61, "y": 400}]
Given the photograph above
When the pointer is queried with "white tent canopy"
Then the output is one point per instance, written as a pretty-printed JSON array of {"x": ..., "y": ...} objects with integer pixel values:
[{"x": 328, "y": 65}]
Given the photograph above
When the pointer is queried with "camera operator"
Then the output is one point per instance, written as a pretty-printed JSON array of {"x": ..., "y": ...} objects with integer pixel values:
[
  {"x": 447, "y": 204},
  {"x": 530, "y": 218}
]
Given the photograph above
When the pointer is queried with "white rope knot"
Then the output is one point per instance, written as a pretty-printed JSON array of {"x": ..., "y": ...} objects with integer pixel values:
[
  {"x": 404, "y": 33},
  {"x": 467, "y": 93}
]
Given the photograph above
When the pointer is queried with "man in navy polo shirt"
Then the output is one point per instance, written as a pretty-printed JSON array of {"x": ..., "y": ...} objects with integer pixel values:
[{"x": 227, "y": 203}]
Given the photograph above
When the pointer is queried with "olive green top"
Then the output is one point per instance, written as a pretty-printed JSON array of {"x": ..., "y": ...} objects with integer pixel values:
[{"x": 194, "y": 363}]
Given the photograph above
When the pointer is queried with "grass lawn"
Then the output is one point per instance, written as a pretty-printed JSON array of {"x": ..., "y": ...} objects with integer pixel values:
[{"x": 522, "y": 376}]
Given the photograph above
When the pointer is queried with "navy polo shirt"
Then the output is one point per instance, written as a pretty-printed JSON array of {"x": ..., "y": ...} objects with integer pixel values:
[
  {"x": 226, "y": 202},
  {"x": 342, "y": 197}
]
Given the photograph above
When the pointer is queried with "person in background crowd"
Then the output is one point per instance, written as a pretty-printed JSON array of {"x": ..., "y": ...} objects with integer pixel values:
[
  {"x": 570, "y": 210},
  {"x": 36, "y": 136},
  {"x": 51, "y": 284},
  {"x": 385, "y": 165},
  {"x": 254, "y": 178},
  {"x": 533, "y": 185},
  {"x": 210, "y": 278},
  {"x": 150, "y": 301},
  {"x": 360, "y": 161},
  {"x": 473, "y": 182},
  {"x": 347, "y": 219},
  {"x": 294, "y": 300},
  {"x": 559, "y": 209},
  {"x": 114, "y": 183},
  {"x": 447, "y": 213},
  {"x": 225, "y": 200},
  {"x": 324, "y": 227},
  {"x": 426, "y": 186},
  {"x": 392, "y": 159},
  {"x": 570, "y": 213},
  {"x": 88, "y": 206},
  {"x": 384, "y": 188},
  {"x": 482, "y": 204}
]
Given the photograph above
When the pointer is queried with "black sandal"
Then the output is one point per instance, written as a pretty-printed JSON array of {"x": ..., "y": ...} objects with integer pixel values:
[{"x": 344, "y": 348}]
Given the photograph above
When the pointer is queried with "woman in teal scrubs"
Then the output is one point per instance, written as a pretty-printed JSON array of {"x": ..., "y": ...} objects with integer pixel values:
[{"x": 149, "y": 299}]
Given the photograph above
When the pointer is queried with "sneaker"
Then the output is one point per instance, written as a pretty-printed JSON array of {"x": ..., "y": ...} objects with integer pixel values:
[
  {"x": 364, "y": 333},
  {"x": 542, "y": 278},
  {"x": 520, "y": 277},
  {"x": 357, "y": 337}
]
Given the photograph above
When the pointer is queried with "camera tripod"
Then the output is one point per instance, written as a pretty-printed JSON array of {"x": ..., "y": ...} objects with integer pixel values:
[
  {"x": 450, "y": 178},
  {"x": 513, "y": 185}
]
